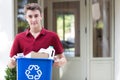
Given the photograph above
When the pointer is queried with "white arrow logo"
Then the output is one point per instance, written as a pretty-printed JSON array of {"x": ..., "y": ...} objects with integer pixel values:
[{"x": 37, "y": 69}]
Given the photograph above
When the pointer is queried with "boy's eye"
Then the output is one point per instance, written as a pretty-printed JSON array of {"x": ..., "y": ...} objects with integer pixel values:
[
  {"x": 30, "y": 16},
  {"x": 36, "y": 15}
]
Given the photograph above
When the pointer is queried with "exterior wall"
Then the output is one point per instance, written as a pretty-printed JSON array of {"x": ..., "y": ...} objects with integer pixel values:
[
  {"x": 117, "y": 40},
  {"x": 6, "y": 32}
]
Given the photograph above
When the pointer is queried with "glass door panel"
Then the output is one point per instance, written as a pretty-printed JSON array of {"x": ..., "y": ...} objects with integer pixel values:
[
  {"x": 66, "y": 24},
  {"x": 101, "y": 21},
  {"x": 66, "y": 32},
  {"x": 21, "y": 22}
]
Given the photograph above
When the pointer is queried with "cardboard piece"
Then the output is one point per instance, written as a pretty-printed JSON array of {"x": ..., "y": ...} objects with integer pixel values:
[{"x": 37, "y": 55}]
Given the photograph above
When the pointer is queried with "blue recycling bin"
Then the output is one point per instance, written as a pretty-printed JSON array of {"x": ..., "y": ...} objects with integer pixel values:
[{"x": 34, "y": 69}]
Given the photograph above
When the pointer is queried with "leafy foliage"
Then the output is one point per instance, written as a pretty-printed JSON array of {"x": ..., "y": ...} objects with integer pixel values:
[{"x": 10, "y": 74}]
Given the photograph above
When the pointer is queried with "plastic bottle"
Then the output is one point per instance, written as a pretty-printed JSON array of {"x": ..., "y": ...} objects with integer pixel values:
[
  {"x": 20, "y": 55},
  {"x": 51, "y": 52}
]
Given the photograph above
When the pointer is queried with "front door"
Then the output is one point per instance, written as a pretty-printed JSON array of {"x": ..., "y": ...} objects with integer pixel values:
[
  {"x": 85, "y": 28},
  {"x": 100, "y": 33}
]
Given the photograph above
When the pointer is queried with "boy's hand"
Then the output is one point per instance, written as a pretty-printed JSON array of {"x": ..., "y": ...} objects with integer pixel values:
[
  {"x": 59, "y": 60},
  {"x": 12, "y": 63}
]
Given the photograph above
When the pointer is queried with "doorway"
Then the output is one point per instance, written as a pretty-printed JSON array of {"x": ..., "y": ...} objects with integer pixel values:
[{"x": 66, "y": 23}]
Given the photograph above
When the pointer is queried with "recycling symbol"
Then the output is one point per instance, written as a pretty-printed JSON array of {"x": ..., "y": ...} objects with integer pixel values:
[{"x": 36, "y": 68}]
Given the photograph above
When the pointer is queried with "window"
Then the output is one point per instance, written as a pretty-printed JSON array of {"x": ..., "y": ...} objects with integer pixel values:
[
  {"x": 66, "y": 23},
  {"x": 66, "y": 31},
  {"x": 102, "y": 19}
]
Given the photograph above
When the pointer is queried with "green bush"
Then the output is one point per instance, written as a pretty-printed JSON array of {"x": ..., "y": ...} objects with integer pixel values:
[{"x": 10, "y": 74}]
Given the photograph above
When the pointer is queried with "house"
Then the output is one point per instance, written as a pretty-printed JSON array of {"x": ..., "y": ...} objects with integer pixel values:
[{"x": 94, "y": 30}]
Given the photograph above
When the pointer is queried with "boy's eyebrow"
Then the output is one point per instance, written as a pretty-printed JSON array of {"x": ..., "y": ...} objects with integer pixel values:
[{"x": 33, "y": 15}]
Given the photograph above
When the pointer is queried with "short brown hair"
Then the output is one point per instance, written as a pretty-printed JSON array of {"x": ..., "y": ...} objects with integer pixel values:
[{"x": 32, "y": 6}]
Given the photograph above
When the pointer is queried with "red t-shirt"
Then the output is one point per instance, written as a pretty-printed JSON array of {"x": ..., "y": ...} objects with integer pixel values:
[{"x": 24, "y": 42}]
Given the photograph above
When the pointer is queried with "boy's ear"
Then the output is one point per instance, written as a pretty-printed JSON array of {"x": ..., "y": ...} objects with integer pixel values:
[{"x": 25, "y": 17}]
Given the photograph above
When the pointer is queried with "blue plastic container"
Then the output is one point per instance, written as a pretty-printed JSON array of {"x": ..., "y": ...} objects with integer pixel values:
[{"x": 34, "y": 69}]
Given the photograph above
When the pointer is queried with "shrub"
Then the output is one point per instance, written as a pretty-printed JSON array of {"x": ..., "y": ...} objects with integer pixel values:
[{"x": 10, "y": 74}]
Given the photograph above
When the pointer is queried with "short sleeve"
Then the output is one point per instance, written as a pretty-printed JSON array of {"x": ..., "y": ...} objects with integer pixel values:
[
  {"x": 15, "y": 47},
  {"x": 57, "y": 44}
]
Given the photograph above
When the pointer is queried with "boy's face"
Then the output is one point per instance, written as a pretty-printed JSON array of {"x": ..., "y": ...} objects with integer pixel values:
[{"x": 33, "y": 18}]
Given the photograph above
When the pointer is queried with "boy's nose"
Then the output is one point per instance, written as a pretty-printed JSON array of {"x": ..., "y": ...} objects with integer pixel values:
[{"x": 33, "y": 19}]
